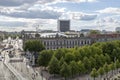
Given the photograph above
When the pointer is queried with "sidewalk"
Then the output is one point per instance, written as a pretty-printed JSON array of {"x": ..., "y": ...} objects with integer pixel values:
[
  {"x": 17, "y": 75},
  {"x": 27, "y": 71}
]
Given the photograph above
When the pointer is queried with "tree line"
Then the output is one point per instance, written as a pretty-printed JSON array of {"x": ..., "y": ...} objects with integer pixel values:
[{"x": 96, "y": 59}]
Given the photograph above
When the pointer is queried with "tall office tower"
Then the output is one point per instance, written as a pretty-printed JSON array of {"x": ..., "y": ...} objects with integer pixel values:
[{"x": 63, "y": 25}]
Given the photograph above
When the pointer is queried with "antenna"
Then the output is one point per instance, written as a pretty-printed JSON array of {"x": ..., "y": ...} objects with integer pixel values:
[{"x": 37, "y": 28}]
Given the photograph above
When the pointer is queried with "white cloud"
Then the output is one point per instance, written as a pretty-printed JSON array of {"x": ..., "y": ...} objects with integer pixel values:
[
  {"x": 108, "y": 23},
  {"x": 110, "y": 10},
  {"x": 40, "y": 11},
  {"x": 78, "y": 16},
  {"x": 16, "y": 2},
  {"x": 18, "y": 24},
  {"x": 49, "y": 2},
  {"x": 22, "y": 2},
  {"x": 83, "y": 16}
]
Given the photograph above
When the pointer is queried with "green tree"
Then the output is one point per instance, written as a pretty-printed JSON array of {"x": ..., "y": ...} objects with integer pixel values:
[
  {"x": 61, "y": 61},
  {"x": 107, "y": 58},
  {"x": 59, "y": 53},
  {"x": 98, "y": 61},
  {"x": 94, "y": 73},
  {"x": 112, "y": 67},
  {"x": 103, "y": 60},
  {"x": 81, "y": 68},
  {"x": 93, "y": 62},
  {"x": 117, "y": 64},
  {"x": 33, "y": 46},
  {"x": 54, "y": 67},
  {"x": 106, "y": 68},
  {"x": 94, "y": 32},
  {"x": 45, "y": 57},
  {"x": 65, "y": 70},
  {"x": 69, "y": 57},
  {"x": 77, "y": 55},
  {"x": 74, "y": 68},
  {"x": 101, "y": 71},
  {"x": 87, "y": 64}
]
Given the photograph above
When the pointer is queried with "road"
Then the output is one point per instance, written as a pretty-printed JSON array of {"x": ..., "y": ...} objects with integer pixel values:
[
  {"x": 5, "y": 74},
  {"x": 24, "y": 71}
]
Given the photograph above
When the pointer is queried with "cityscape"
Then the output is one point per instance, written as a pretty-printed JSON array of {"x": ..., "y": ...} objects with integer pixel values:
[{"x": 59, "y": 40}]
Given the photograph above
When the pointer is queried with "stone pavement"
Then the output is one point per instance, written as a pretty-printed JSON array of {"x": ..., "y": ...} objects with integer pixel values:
[
  {"x": 15, "y": 72},
  {"x": 27, "y": 71}
]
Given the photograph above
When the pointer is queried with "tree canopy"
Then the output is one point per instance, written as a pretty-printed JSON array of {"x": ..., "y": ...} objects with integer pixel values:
[
  {"x": 33, "y": 46},
  {"x": 96, "y": 59}
]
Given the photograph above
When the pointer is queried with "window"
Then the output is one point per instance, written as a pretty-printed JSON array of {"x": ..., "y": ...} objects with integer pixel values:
[
  {"x": 44, "y": 43},
  {"x": 82, "y": 42}
]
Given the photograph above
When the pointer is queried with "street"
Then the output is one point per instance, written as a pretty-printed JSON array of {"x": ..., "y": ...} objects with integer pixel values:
[
  {"x": 5, "y": 74},
  {"x": 13, "y": 66}
]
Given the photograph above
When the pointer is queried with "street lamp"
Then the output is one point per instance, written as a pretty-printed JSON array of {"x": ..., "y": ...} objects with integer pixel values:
[{"x": 115, "y": 64}]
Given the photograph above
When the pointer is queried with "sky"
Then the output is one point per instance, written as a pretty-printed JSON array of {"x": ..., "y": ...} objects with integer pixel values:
[{"x": 17, "y": 15}]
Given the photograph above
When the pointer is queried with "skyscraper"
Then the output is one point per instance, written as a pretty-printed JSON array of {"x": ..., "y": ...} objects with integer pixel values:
[{"x": 63, "y": 25}]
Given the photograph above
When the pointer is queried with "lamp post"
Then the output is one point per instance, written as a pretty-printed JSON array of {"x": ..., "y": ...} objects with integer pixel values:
[
  {"x": 4, "y": 57},
  {"x": 115, "y": 64}
]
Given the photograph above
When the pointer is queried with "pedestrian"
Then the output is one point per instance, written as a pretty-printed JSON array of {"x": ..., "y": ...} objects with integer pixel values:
[
  {"x": 33, "y": 77},
  {"x": 36, "y": 73}
]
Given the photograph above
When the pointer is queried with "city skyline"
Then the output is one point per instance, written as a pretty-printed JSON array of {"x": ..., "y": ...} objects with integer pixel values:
[{"x": 89, "y": 14}]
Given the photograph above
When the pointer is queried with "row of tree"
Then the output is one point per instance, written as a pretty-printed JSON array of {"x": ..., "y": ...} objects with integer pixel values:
[
  {"x": 79, "y": 60},
  {"x": 105, "y": 69}
]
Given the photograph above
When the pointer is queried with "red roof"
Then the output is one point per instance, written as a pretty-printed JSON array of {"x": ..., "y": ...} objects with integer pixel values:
[{"x": 104, "y": 35}]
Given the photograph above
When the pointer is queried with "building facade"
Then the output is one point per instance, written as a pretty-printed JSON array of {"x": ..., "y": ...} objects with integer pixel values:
[
  {"x": 56, "y": 41},
  {"x": 63, "y": 25},
  {"x": 117, "y": 29}
]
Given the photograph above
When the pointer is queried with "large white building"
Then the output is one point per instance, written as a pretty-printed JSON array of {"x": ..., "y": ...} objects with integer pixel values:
[
  {"x": 61, "y": 40},
  {"x": 58, "y": 40}
]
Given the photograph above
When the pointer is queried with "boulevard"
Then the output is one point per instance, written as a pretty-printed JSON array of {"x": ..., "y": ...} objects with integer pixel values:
[{"x": 14, "y": 66}]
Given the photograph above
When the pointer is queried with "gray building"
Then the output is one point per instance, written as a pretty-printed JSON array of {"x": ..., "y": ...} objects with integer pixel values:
[
  {"x": 117, "y": 29},
  {"x": 63, "y": 25},
  {"x": 60, "y": 40}
]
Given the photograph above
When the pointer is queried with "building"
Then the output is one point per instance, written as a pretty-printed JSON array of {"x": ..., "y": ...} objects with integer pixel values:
[
  {"x": 63, "y": 25},
  {"x": 60, "y": 40},
  {"x": 85, "y": 31},
  {"x": 117, "y": 29}
]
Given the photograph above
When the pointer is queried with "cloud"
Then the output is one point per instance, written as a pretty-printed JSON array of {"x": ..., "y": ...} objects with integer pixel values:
[
  {"x": 50, "y": 2},
  {"x": 110, "y": 10},
  {"x": 35, "y": 8},
  {"x": 106, "y": 20},
  {"x": 42, "y": 12},
  {"x": 16, "y": 2},
  {"x": 18, "y": 24},
  {"x": 83, "y": 16},
  {"x": 22, "y": 2},
  {"x": 12, "y": 24},
  {"x": 108, "y": 23}
]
